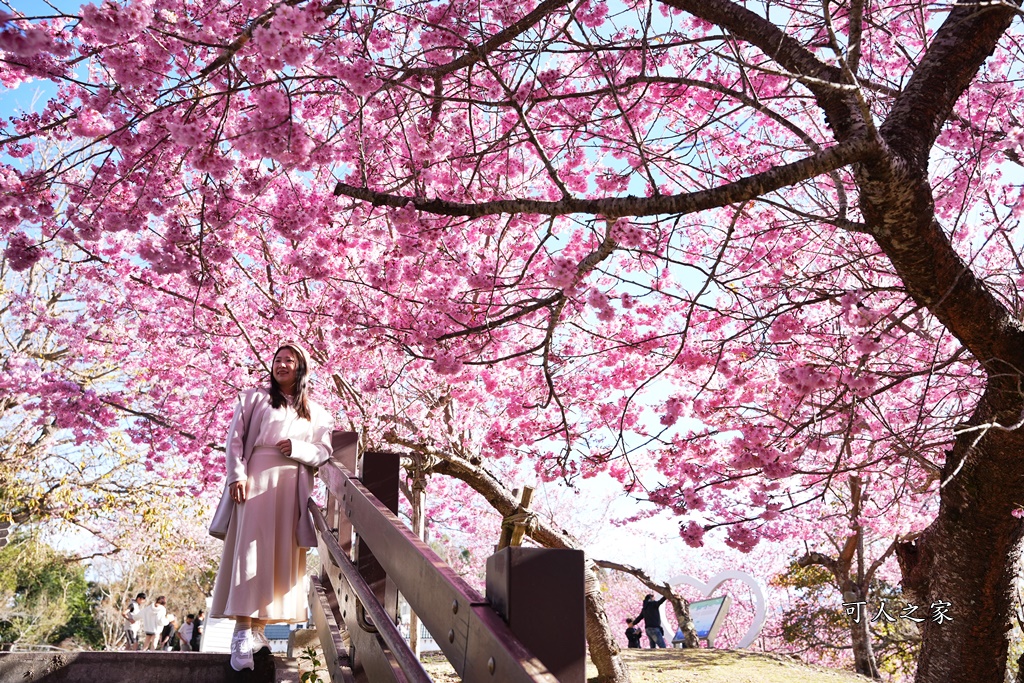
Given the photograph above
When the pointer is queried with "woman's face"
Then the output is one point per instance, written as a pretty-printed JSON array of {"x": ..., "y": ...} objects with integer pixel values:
[{"x": 286, "y": 366}]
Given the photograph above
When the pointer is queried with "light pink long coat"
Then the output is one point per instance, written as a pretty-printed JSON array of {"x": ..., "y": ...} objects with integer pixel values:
[{"x": 253, "y": 405}]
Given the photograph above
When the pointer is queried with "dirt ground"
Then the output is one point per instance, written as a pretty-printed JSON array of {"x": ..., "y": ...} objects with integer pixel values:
[{"x": 695, "y": 666}]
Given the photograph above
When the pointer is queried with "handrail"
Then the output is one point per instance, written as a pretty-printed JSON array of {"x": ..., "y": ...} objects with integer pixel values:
[
  {"x": 336, "y": 656},
  {"x": 387, "y": 629},
  {"x": 477, "y": 642}
]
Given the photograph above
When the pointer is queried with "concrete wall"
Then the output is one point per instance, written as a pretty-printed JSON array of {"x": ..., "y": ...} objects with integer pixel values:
[{"x": 125, "y": 667}]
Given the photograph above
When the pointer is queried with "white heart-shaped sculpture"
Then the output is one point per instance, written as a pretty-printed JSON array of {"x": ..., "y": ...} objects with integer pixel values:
[{"x": 707, "y": 589}]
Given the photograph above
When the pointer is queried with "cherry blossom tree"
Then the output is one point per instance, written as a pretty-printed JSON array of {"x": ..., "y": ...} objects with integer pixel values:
[
  {"x": 853, "y": 572},
  {"x": 181, "y": 564},
  {"x": 756, "y": 247},
  {"x": 63, "y": 456},
  {"x": 812, "y": 628}
]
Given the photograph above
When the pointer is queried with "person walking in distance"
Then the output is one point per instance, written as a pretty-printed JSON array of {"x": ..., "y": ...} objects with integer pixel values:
[
  {"x": 185, "y": 633},
  {"x": 133, "y": 621},
  {"x": 278, "y": 435},
  {"x": 169, "y": 634},
  {"x": 153, "y": 622},
  {"x": 650, "y": 614},
  {"x": 197, "y": 631}
]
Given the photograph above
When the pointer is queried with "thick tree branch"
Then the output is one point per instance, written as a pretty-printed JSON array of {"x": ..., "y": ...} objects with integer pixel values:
[
  {"x": 819, "y": 559},
  {"x": 818, "y": 77},
  {"x": 478, "y": 52},
  {"x": 756, "y": 30},
  {"x": 898, "y": 206},
  {"x": 965, "y": 40},
  {"x": 741, "y": 190}
]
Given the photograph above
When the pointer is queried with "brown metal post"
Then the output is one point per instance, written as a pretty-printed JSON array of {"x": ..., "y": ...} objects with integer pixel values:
[
  {"x": 380, "y": 474},
  {"x": 539, "y": 594},
  {"x": 346, "y": 453}
]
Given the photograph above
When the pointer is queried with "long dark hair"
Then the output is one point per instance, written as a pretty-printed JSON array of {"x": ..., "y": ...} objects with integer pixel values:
[{"x": 277, "y": 397}]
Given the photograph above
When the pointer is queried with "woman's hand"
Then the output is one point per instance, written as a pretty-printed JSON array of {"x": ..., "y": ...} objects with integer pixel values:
[
  {"x": 285, "y": 446},
  {"x": 237, "y": 490}
]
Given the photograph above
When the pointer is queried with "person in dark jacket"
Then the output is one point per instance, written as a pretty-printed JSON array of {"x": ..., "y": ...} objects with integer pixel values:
[
  {"x": 632, "y": 634},
  {"x": 169, "y": 635},
  {"x": 650, "y": 614},
  {"x": 197, "y": 631}
]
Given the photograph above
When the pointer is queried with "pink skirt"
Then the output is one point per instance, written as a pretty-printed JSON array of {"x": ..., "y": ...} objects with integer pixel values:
[{"x": 263, "y": 569}]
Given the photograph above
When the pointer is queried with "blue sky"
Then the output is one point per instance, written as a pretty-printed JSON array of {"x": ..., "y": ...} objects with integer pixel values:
[{"x": 32, "y": 95}]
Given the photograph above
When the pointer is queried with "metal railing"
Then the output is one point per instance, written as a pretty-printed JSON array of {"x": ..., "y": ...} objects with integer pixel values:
[{"x": 474, "y": 638}]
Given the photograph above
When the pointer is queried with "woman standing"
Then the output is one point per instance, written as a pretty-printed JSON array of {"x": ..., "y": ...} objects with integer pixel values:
[{"x": 276, "y": 439}]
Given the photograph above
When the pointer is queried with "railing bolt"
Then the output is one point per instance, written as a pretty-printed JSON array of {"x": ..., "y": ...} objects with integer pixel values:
[
  {"x": 455, "y": 606},
  {"x": 490, "y": 665},
  {"x": 451, "y": 635}
]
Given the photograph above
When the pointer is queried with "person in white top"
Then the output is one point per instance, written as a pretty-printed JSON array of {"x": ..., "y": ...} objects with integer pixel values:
[
  {"x": 154, "y": 618},
  {"x": 277, "y": 437},
  {"x": 133, "y": 622},
  {"x": 185, "y": 633}
]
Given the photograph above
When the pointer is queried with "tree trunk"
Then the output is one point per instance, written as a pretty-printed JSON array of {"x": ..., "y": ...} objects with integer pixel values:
[
  {"x": 851, "y": 557},
  {"x": 967, "y": 556},
  {"x": 964, "y": 559},
  {"x": 682, "y": 612},
  {"x": 604, "y": 651},
  {"x": 418, "y": 501},
  {"x": 863, "y": 655}
]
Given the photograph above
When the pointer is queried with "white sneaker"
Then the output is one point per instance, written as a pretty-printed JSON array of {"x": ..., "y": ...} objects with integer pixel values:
[
  {"x": 259, "y": 641},
  {"x": 241, "y": 650}
]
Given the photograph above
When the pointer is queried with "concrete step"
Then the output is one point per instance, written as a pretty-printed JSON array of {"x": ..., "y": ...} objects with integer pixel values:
[{"x": 139, "y": 667}]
